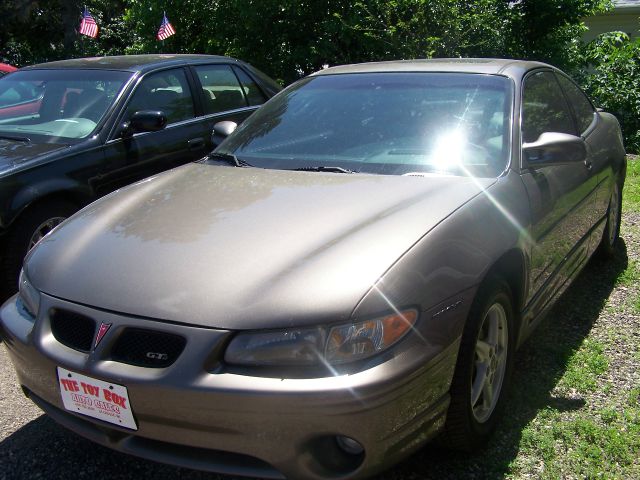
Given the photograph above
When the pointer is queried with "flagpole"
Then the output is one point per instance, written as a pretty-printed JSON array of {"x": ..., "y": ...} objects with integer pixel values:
[
  {"x": 164, "y": 15},
  {"x": 82, "y": 41},
  {"x": 82, "y": 36}
]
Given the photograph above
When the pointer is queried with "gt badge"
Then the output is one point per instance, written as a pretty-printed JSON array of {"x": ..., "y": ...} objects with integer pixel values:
[{"x": 104, "y": 328}]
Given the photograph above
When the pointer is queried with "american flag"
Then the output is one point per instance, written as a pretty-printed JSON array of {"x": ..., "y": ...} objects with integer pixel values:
[
  {"x": 165, "y": 30},
  {"x": 88, "y": 25}
]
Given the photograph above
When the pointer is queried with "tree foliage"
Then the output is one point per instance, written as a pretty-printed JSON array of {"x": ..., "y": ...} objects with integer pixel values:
[
  {"x": 549, "y": 30},
  {"x": 614, "y": 81},
  {"x": 33, "y": 31},
  {"x": 289, "y": 38}
]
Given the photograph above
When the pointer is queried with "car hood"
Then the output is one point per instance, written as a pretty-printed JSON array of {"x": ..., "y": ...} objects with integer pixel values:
[
  {"x": 14, "y": 153},
  {"x": 242, "y": 248}
]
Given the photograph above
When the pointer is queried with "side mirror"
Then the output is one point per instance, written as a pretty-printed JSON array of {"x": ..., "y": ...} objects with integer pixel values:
[
  {"x": 222, "y": 130},
  {"x": 553, "y": 148},
  {"x": 144, "y": 121}
]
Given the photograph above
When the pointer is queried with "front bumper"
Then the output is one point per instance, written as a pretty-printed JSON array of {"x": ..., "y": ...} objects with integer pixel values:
[{"x": 197, "y": 414}]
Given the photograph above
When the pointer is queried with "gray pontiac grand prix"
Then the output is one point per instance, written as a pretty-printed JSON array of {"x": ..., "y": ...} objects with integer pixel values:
[{"x": 348, "y": 275}]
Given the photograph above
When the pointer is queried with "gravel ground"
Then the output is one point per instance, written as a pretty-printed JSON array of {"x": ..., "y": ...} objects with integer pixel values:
[{"x": 32, "y": 446}]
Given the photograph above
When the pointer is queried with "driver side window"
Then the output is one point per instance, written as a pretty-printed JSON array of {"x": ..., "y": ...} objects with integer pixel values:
[
  {"x": 166, "y": 91},
  {"x": 544, "y": 108}
]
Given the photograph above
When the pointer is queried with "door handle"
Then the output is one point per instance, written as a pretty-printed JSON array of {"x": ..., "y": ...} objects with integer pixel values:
[
  {"x": 195, "y": 143},
  {"x": 588, "y": 164}
]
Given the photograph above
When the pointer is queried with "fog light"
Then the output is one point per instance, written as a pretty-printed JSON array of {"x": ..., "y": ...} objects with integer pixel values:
[{"x": 349, "y": 445}]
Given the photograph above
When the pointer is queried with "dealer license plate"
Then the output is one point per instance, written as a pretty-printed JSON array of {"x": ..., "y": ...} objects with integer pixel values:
[{"x": 105, "y": 401}]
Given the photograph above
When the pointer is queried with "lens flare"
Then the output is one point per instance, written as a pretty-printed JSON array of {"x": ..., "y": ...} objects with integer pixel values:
[{"x": 448, "y": 152}]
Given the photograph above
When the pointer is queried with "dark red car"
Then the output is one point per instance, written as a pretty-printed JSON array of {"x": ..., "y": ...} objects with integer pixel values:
[
  {"x": 5, "y": 68},
  {"x": 18, "y": 99}
]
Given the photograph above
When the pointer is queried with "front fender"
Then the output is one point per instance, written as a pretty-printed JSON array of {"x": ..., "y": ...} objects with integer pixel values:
[
  {"x": 17, "y": 195},
  {"x": 442, "y": 271}
]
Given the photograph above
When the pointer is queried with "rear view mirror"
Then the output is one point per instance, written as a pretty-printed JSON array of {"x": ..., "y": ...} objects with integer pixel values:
[
  {"x": 553, "y": 148},
  {"x": 222, "y": 130},
  {"x": 144, "y": 121}
]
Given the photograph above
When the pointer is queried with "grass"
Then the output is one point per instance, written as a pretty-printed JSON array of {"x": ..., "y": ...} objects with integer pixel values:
[
  {"x": 585, "y": 367},
  {"x": 631, "y": 203},
  {"x": 629, "y": 276},
  {"x": 631, "y": 192},
  {"x": 601, "y": 445}
]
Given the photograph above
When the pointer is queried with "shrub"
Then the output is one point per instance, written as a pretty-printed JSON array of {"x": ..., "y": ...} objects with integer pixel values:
[{"x": 613, "y": 81}]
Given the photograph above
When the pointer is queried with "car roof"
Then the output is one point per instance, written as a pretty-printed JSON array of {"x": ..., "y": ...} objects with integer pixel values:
[
  {"x": 131, "y": 63},
  {"x": 495, "y": 66}
]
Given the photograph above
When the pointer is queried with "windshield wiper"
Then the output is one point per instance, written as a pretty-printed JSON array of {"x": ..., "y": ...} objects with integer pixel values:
[
  {"x": 229, "y": 158},
  {"x": 15, "y": 138},
  {"x": 324, "y": 169}
]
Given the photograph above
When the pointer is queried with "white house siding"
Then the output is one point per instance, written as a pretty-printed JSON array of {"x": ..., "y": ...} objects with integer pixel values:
[{"x": 625, "y": 16}]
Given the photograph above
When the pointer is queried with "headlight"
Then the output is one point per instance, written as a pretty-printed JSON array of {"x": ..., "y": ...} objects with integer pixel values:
[
  {"x": 316, "y": 346},
  {"x": 347, "y": 343},
  {"x": 28, "y": 295}
]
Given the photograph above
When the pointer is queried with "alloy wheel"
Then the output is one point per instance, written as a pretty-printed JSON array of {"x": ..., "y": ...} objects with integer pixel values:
[
  {"x": 490, "y": 362},
  {"x": 44, "y": 229}
]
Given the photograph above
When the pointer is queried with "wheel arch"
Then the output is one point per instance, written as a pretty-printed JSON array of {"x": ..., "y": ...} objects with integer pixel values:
[
  {"x": 511, "y": 267},
  {"x": 33, "y": 196}
]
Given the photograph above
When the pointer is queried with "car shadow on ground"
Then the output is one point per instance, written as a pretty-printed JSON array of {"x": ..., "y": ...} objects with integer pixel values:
[{"x": 42, "y": 449}]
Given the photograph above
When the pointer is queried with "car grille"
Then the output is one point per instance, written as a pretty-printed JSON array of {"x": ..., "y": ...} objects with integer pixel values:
[
  {"x": 147, "y": 348},
  {"x": 72, "y": 329}
]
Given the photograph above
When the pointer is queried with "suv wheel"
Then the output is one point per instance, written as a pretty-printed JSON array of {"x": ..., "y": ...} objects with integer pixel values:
[{"x": 29, "y": 229}]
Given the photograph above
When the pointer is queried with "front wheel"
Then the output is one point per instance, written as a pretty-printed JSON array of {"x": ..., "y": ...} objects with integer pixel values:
[
  {"x": 28, "y": 230},
  {"x": 483, "y": 368}
]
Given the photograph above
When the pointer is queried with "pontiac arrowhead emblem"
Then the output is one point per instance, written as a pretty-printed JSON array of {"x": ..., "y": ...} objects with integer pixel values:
[{"x": 104, "y": 328}]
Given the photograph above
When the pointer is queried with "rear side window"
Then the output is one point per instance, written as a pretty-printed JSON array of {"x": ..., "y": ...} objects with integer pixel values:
[
  {"x": 250, "y": 88},
  {"x": 220, "y": 88},
  {"x": 544, "y": 108},
  {"x": 581, "y": 105}
]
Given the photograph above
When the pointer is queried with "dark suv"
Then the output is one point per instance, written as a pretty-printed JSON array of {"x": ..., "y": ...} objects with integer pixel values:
[{"x": 73, "y": 130}]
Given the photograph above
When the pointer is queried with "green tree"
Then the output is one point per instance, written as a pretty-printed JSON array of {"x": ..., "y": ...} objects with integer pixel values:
[
  {"x": 288, "y": 39},
  {"x": 193, "y": 20},
  {"x": 613, "y": 80},
  {"x": 34, "y": 31},
  {"x": 549, "y": 30}
]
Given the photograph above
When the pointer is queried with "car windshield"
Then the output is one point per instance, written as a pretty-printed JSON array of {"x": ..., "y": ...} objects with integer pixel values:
[
  {"x": 57, "y": 106},
  {"x": 384, "y": 123}
]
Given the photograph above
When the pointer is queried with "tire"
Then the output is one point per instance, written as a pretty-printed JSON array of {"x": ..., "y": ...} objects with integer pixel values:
[
  {"x": 483, "y": 368},
  {"x": 611, "y": 234},
  {"x": 31, "y": 226}
]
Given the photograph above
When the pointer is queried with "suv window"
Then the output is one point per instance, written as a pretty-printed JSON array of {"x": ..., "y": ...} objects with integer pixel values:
[
  {"x": 220, "y": 88},
  {"x": 167, "y": 91},
  {"x": 250, "y": 88},
  {"x": 544, "y": 108},
  {"x": 581, "y": 105},
  {"x": 16, "y": 93}
]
